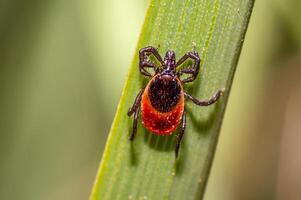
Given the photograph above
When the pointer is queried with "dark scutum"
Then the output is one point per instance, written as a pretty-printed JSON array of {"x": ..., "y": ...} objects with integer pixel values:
[{"x": 164, "y": 93}]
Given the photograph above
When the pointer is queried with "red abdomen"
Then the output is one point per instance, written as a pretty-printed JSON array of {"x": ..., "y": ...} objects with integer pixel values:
[{"x": 165, "y": 119}]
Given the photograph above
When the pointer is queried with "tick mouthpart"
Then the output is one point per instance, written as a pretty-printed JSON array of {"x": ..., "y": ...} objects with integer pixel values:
[{"x": 170, "y": 58}]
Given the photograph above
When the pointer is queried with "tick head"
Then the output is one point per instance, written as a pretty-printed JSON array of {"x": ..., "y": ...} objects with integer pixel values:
[{"x": 170, "y": 60}]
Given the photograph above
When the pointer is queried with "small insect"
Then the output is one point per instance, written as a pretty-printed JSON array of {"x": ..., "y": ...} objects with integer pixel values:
[{"x": 162, "y": 100}]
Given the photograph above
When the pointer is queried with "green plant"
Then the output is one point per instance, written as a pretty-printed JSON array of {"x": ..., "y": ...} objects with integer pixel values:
[{"x": 146, "y": 168}]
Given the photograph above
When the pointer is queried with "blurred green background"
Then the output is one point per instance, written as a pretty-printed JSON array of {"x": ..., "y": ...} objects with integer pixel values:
[{"x": 62, "y": 69}]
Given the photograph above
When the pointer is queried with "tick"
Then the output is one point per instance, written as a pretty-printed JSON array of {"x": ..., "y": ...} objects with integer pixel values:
[{"x": 162, "y": 100}]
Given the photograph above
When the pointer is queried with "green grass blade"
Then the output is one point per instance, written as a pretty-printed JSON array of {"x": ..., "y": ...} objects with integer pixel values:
[{"x": 145, "y": 168}]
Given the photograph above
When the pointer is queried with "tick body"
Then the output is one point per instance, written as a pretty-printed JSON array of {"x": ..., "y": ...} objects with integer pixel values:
[
  {"x": 162, "y": 100},
  {"x": 162, "y": 104}
]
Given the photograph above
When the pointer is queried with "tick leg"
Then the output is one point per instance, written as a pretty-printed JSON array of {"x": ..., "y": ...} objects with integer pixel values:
[
  {"x": 136, "y": 103},
  {"x": 133, "y": 134},
  {"x": 208, "y": 102},
  {"x": 150, "y": 50},
  {"x": 146, "y": 64},
  {"x": 135, "y": 109},
  {"x": 193, "y": 70},
  {"x": 143, "y": 62},
  {"x": 180, "y": 134}
]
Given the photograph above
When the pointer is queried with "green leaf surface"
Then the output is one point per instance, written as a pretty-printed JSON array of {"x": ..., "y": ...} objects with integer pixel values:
[{"x": 146, "y": 168}]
